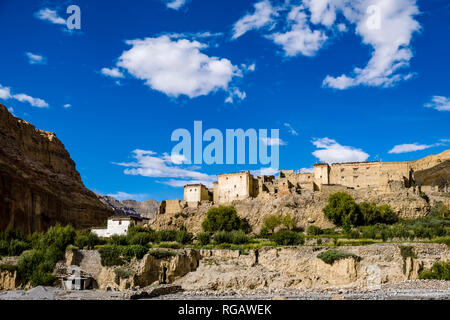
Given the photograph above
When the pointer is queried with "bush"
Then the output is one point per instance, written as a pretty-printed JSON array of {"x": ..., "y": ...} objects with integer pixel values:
[
  {"x": 288, "y": 222},
  {"x": 439, "y": 271},
  {"x": 165, "y": 235},
  {"x": 170, "y": 245},
  {"x": 224, "y": 218},
  {"x": 287, "y": 238},
  {"x": 331, "y": 256},
  {"x": 87, "y": 239},
  {"x": 271, "y": 222},
  {"x": 16, "y": 247},
  {"x": 204, "y": 238},
  {"x": 139, "y": 238},
  {"x": 111, "y": 256},
  {"x": 8, "y": 267},
  {"x": 183, "y": 237},
  {"x": 314, "y": 231},
  {"x": 117, "y": 240},
  {"x": 162, "y": 254},
  {"x": 235, "y": 237},
  {"x": 342, "y": 210},
  {"x": 123, "y": 273}
]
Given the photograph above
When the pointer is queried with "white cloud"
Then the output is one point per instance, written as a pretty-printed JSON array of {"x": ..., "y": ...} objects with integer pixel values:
[
  {"x": 11, "y": 110},
  {"x": 34, "y": 58},
  {"x": 265, "y": 172},
  {"x": 306, "y": 170},
  {"x": 128, "y": 196},
  {"x": 148, "y": 164},
  {"x": 291, "y": 129},
  {"x": 300, "y": 38},
  {"x": 5, "y": 94},
  {"x": 67, "y": 106},
  {"x": 235, "y": 93},
  {"x": 178, "y": 67},
  {"x": 50, "y": 15},
  {"x": 439, "y": 103},
  {"x": 332, "y": 152},
  {"x": 113, "y": 72},
  {"x": 175, "y": 4},
  {"x": 409, "y": 147},
  {"x": 390, "y": 39},
  {"x": 262, "y": 17},
  {"x": 273, "y": 141}
]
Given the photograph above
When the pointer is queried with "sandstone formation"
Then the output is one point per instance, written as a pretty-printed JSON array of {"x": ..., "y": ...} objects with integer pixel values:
[
  {"x": 39, "y": 184},
  {"x": 299, "y": 267},
  {"x": 146, "y": 209},
  {"x": 266, "y": 268},
  {"x": 305, "y": 208}
]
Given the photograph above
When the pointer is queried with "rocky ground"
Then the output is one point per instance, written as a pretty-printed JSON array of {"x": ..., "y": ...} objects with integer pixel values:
[{"x": 406, "y": 290}]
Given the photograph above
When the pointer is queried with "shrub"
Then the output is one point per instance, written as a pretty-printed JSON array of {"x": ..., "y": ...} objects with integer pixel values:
[
  {"x": 170, "y": 245},
  {"x": 386, "y": 214},
  {"x": 123, "y": 273},
  {"x": 288, "y": 222},
  {"x": 118, "y": 240},
  {"x": 139, "y": 238},
  {"x": 224, "y": 218},
  {"x": 110, "y": 256},
  {"x": 16, "y": 247},
  {"x": 133, "y": 251},
  {"x": 271, "y": 222},
  {"x": 342, "y": 210},
  {"x": 162, "y": 254},
  {"x": 287, "y": 238},
  {"x": 439, "y": 271},
  {"x": 183, "y": 237},
  {"x": 204, "y": 238},
  {"x": 314, "y": 231},
  {"x": 87, "y": 239},
  {"x": 165, "y": 235},
  {"x": 8, "y": 267},
  {"x": 331, "y": 256}
]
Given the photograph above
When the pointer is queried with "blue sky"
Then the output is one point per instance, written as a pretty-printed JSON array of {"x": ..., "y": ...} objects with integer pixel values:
[{"x": 341, "y": 82}]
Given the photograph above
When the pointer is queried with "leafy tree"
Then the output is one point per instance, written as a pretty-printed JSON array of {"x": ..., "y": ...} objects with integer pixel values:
[
  {"x": 271, "y": 222},
  {"x": 287, "y": 238},
  {"x": 288, "y": 222},
  {"x": 342, "y": 210},
  {"x": 224, "y": 218}
]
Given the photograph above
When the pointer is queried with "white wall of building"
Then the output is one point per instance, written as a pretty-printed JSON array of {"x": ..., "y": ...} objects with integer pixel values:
[{"x": 115, "y": 227}]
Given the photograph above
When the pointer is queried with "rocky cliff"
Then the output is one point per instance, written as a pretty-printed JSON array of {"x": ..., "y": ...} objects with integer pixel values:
[
  {"x": 146, "y": 209},
  {"x": 39, "y": 185}
]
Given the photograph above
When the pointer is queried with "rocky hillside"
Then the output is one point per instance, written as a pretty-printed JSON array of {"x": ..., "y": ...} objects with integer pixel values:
[
  {"x": 305, "y": 208},
  {"x": 39, "y": 185},
  {"x": 146, "y": 209}
]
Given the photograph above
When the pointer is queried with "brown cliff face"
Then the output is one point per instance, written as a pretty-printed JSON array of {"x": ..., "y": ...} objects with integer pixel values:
[{"x": 39, "y": 185}]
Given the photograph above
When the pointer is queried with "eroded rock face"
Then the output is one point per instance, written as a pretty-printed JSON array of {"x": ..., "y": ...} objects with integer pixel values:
[
  {"x": 299, "y": 267},
  {"x": 39, "y": 185},
  {"x": 305, "y": 209},
  {"x": 9, "y": 280}
]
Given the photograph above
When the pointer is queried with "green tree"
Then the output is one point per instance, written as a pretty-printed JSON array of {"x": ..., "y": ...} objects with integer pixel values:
[
  {"x": 342, "y": 210},
  {"x": 271, "y": 222},
  {"x": 224, "y": 218}
]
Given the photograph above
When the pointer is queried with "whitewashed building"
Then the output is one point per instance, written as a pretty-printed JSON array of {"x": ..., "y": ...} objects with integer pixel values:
[{"x": 118, "y": 225}]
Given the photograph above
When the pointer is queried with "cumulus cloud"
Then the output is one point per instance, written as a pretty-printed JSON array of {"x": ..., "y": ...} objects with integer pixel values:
[
  {"x": 113, "y": 72},
  {"x": 409, "y": 147},
  {"x": 263, "y": 16},
  {"x": 149, "y": 164},
  {"x": 291, "y": 129},
  {"x": 265, "y": 172},
  {"x": 49, "y": 15},
  {"x": 300, "y": 38},
  {"x": 389, "y": 35},
  {"x": 5, "y": 94},
  {"x": 330, "y": 151},
  {"x": 439, "y": 103},
  {"x": 178, "y": 67},
  {"x": 35, "y": 58},
  {"x": 386, "y": 26},
  {"x": 175, "y": 4}
]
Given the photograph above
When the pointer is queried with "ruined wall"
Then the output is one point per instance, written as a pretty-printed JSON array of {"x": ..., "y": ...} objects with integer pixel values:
[
  {"x": 235, "y": 186},
  {"x": 195, "y": 193}
]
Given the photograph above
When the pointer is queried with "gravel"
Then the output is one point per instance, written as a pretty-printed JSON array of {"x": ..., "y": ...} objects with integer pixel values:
[{"x": 406, "y": 290}]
